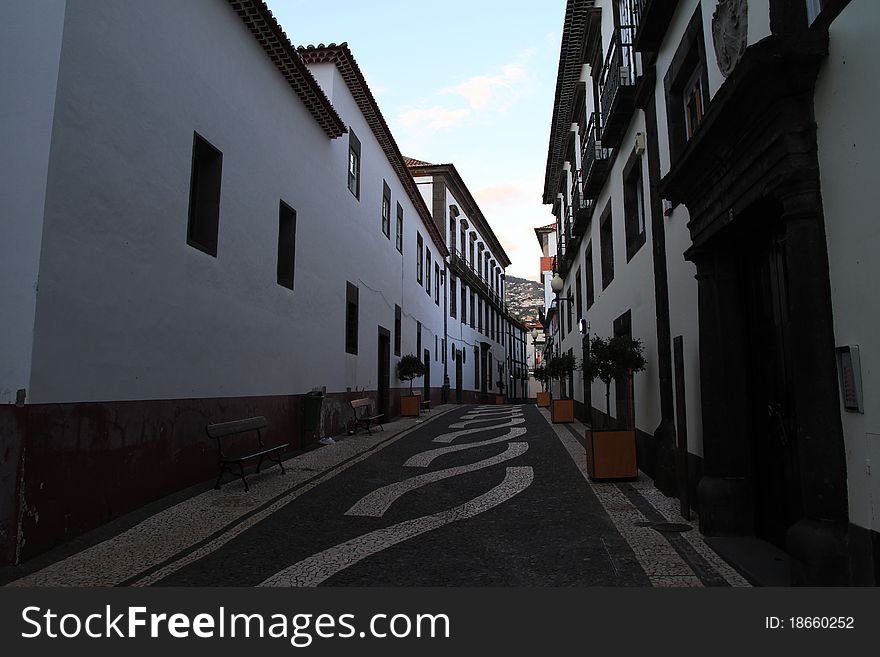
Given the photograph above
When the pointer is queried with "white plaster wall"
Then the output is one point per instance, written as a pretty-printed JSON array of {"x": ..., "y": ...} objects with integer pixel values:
[
  {"x": 127, "y": 310},
  {"x": 632, "y": 289},
  {"x": 849, "y": 159},
  {"x": 30, "y": 50}
]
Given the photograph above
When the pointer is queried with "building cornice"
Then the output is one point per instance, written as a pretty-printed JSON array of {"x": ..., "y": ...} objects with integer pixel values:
[
  {"x": 267, "y": 31},
  {"x": 469, "y": 205},
  {"x": 580, "y": 17},
  {"x": 340, "y": 55}
]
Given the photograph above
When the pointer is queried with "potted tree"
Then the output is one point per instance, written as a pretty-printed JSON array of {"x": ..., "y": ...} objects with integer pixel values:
[
  {"x": 410, "y": 367},
  {"x": 499, "y": 398},
  {"x": 611, "y": 444},
  {"x": 542, "y": 376},
  {"x": 562, "y": 410}
]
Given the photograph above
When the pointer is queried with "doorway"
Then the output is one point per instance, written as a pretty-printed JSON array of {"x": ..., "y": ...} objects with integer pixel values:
[
  {"x": 763, "y": 290},
  {"x": 459, "y": 374},
  {"x": 426, "y": 395},
  {"x": 383, "y": 377}
]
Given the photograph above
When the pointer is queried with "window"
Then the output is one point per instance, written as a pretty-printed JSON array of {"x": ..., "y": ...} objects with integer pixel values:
[
  {"x": 588, "y": 264},
  {"x": 453, "y": 295},
  {"x": 351, "y": 318},
  {"x": 386, "y": 209},
  {"x": 354, "y": 164},
  {"x": 579, "y": 293},
  {"x": 570, "y": 309},
  {"x": 286, "y": 244},
  {"x": 486, "y": 309},
  {"x": 204, "y": 197},
  {"x": 463, "y": 236},
  {"x": 399, "y": 228},
  {"x": 428, "y": 271},
  {"x": 693, "y": 102},
  {"x": 476, "y": 368},
  {"x": 436, "y": 351},
  {"x": 606, "y": 240},
  {"x": 471, "y": 249},
  {"x": 420, "y": 255},
  {"x": 436, "y": 283},
  {"x": 463, "y": 303},
  {"x": 686, "y": 87},
  {"x": 633, "y": 206},
  {"x": 480, "y": 314},
  {"x": 452, "y": 234},
  {"x": 397, "y": 327},
  {"x": 418, "y": 337},
  {"x": 473, "y": 308}
]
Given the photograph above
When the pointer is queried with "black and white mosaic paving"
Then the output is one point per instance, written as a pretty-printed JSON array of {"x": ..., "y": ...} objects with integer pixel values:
[{"x": 475, "y": 496}]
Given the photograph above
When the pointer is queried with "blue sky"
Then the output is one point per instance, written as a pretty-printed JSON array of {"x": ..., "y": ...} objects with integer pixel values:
[{"x": 467, "y": 82}]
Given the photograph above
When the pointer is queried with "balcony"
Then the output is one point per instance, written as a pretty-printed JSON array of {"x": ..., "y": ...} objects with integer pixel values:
[
  {"x": 651, "y": 19},
  {"x": 617, "y": 87},
  {"x": 595, "y": 161},
  {"x": 582, "y": 208},
  {"x": 467, "y": 272},
  {"x": 567, "y": 247}
]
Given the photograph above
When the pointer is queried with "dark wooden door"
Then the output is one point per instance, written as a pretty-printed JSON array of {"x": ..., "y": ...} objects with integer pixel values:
[
  {"x": 459, "y": 374},
  {"x": 770, "y": 409},
  {"x": 384, "y": 372},
  {"x": 426, "y": 395}
]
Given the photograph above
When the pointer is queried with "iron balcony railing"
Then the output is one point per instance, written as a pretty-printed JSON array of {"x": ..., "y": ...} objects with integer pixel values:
[
  {"x": 592, "y": 151},
  {"x": 619, "y": 69}
]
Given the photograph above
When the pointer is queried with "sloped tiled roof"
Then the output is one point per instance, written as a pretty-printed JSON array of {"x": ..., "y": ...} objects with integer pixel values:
[
  {"x": 412, "y": 162},
  {"x": 571, "y": 60},
  {"x": 340, "y": 55},
  {"x": 265, "y": 28}
]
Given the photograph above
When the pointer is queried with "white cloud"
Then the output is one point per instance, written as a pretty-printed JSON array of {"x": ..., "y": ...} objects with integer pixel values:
[
  {"x": 499, "y": 91},
  {"x": 433, "y": 118}
]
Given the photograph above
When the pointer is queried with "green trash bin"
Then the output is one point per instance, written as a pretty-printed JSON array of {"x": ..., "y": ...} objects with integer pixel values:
[{"x": 312, "y": 410}]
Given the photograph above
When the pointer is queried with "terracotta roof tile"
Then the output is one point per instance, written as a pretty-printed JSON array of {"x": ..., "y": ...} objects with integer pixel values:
[
  {"x": 265, "y": 28},
  {"x": 412, "y": 162}
]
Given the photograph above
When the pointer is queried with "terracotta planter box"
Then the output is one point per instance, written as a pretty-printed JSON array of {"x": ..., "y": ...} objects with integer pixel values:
[
  {"x": 562, "y": 410},
  {"x": 499, "y": 399},
  {"x": 611, "y": 455},
  {"x": 410, "y": 405},
  {"x": 543, "y": 400}
]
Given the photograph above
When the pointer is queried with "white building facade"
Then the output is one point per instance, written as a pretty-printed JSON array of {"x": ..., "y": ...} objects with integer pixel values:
[
  {"x": 707, "y": 173},
  {"x": 201, "y": 228}
]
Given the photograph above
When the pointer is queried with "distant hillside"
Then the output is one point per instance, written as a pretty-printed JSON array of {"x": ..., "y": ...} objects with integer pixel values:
[{"x": 525, "y": 298}]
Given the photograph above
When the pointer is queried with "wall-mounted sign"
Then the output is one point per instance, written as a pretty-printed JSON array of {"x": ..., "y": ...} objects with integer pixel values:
[{"x": 849, "y": 370}]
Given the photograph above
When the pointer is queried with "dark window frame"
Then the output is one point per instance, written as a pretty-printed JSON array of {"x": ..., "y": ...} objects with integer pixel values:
[
  {"x": 286, "y": 269},
  {"x": 399, "y": 233},
  {"x": 386, "y": 210},
  {"x": 398, "y": 321},
  {"x": 420, "y": 258},
  {"x": 352, "y": 319},
  {"x": 437, "y": 283},
  {"x": 606, "y": 246},
  {"x": 205, "y": 186},
  {"x": 589, "y": 273},
  {"x": 428, "y": 271},
  {"x": 354, "y": 164},
  {"x": 453, "y": 295},
  {"x": 634, "y": 208}
]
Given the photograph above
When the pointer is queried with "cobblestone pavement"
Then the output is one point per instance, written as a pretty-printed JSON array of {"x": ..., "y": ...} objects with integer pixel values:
[{"x": 476, "y": 496}]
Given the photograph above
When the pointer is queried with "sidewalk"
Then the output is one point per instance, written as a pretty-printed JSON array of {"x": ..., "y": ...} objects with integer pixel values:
[
  {"x": 142, "y": 547},
  {"x": 668, "y": 558}
]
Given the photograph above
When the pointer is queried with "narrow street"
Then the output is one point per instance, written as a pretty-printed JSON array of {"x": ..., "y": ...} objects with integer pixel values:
[{"x": 470, "y": 496}]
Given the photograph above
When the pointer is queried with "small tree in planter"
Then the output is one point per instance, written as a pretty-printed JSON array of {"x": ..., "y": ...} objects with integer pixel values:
[
  {"x": 560, "y": 367},
  {"x": 409, "y": 368},
  {"x": 612, "y": 454},
  {"x": 542, "y": 376}
]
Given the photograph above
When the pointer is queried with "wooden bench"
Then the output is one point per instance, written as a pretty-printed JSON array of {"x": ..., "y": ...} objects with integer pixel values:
[
  {"x": 365, "y": 417},
  {"x": 223, "y": 430}
]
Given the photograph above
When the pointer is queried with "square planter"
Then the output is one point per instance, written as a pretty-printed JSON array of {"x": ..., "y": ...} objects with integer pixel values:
[
  {"x": 611, "y": 455},
  {"x": 499, "y": 399},
  {"x": 562, "y": 410},
  {"x": 410, "y": 405},
  {"x": 543, "y": 400}
]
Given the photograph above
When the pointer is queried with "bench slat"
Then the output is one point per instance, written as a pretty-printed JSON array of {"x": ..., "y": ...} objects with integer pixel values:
[
  {"x": 236, "y": 426},
  {"x": 357, "y": 403},
  {"x": 262, "y": 452}
]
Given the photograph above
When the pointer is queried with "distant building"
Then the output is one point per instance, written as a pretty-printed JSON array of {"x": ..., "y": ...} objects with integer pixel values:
[{"x": 708, "y": 170}]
